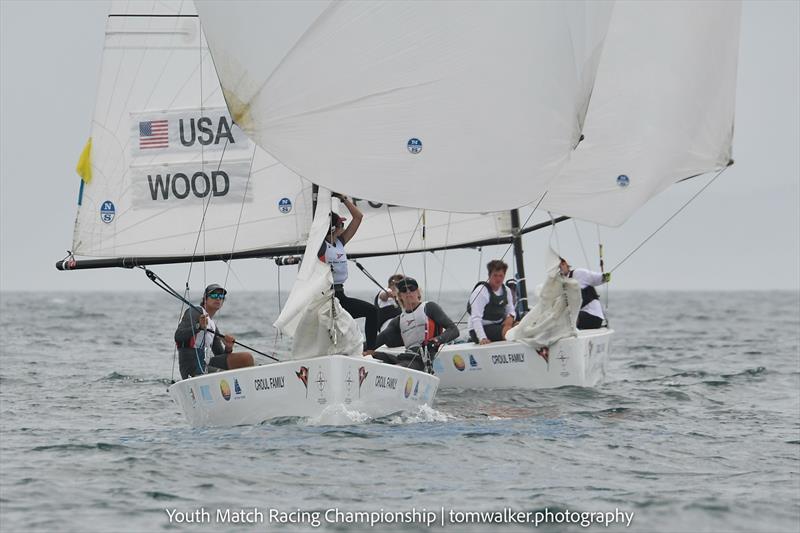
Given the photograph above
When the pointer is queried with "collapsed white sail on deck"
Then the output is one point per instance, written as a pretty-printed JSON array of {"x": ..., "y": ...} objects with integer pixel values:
[{"x": 312, "y": 316}]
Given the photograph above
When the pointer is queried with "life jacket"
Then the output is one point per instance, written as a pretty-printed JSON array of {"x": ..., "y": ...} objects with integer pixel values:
[
  {"x": 588, "y": 294},
  {"x": 416, "y": 327},
  {"x": 495, "y": 310}
]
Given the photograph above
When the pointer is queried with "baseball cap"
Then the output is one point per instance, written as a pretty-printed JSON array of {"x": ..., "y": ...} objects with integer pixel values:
[
  {"x": 214, "y": 287},
  {"x": 407, "y": 284}
]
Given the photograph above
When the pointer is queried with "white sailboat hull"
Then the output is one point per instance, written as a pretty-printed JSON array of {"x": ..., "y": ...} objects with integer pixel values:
[
  {"x": 337, "y": 390},
  {"x": 578, "y": 361}
]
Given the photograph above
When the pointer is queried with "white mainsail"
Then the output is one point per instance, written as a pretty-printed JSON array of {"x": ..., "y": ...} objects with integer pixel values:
[
  {"x": 164, "y": 146},
  {"x": 455, "y": 106},
  {"x": 169, "y": 164}
]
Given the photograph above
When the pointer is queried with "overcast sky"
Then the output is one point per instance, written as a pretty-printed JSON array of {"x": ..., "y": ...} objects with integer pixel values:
[{"x": 743, "y": 232}]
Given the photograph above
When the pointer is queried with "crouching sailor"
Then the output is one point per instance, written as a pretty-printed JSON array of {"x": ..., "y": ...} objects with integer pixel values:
[
  {"x": 197, "y": 332},
  {"x": 422, "y": 328},
  {"x": 591, "y": 314}
]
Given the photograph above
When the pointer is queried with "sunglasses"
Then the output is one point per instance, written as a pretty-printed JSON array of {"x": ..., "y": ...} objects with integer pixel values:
[
  {"x": 217, "y": 296},
  {"x": 407, "y": 287}
]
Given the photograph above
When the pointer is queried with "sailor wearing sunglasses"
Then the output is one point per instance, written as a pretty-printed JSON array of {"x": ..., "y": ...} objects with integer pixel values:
[
  {"x": 197, "y": 333},
  {"x": 420, "y": 326}
]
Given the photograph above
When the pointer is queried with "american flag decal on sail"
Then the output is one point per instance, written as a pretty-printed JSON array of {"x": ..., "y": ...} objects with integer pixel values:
[{"x": 153, "y": 134}]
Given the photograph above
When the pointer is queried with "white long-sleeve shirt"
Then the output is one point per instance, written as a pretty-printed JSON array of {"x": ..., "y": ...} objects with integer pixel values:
[
  {"x": 478, "y": 300},
  {"x": 585, "y": 278}
]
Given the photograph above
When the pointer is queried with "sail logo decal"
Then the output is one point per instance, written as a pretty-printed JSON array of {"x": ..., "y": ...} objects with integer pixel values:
[
  {"x": 473, "y": 364},
  {"x": 153, "y": 134},
  {"x": 414, "y": 145},
  {"x": 153, "y": 184},
  {"x": 203, "y": 132},
  {"x": 186, "y": 131},
  {"x": 507, "y": 358},
  {"x": 107, "y": 211},
  {"x": 385, "y": 382},
  {"x": 302, "y": 375},
  {"x": 237, "y": 390},
  {"x": 362, "y": 376},
  {"x": 544, "y": 353},
  {"x": 285, "y": 206},
  {"x": 623, "y": 180},
  {"x": 225, "y": 389},
  {"x": 267, "y": 384},
  {"x": 205, "y": 393}
]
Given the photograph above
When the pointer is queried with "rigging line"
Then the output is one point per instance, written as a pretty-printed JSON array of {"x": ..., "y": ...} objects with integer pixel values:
[
  {"x": 241, "y": 210},
  {"x": 400, "y": 254},
  {"x": 163, "y": 285},
  {"x": 449, "y": 273},
  {"x": 602, "y": 263},
  {"x": 510, "y": 246},
  {"x": 580, "y": 241},
  {"x": 424, "y": 255},
  {"x": 554, "y": 233},
  {"x": 669, "y": 219},
  {"x": 444, "y": 256},
  {"x": 203, "y": 218}
]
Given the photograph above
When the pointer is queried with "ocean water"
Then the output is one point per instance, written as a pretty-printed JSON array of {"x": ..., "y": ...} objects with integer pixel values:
[{"x": 697, "y": 428}]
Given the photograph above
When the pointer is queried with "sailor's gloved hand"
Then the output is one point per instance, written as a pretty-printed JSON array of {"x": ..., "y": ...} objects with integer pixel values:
[
  {"x": 432, "y": 345},
  {"x": 606, "y": 277}
]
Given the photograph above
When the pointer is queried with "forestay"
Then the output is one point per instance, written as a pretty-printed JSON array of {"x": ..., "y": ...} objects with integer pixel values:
[{"x": 456, "y": 106}]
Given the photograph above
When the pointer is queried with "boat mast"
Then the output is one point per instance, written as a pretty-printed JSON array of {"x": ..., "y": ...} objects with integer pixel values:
[{"x": 520, "y": 265}]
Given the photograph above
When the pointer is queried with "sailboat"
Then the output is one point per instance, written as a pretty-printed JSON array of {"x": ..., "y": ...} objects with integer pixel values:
[
  {"x": 375, "y": 100},
  {"x": 593, "y": 108}
]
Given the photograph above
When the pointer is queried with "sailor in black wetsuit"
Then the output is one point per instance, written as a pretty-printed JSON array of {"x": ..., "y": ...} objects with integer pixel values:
[{"x": 421, "y": 326}]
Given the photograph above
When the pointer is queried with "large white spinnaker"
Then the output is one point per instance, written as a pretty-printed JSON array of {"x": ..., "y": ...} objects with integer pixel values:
[
  {"x": 662, "y": 108},
  {"x": 495, "y": 94},
  {"x": 164, "y": 148},
  {"x": 455, "y": 106}
]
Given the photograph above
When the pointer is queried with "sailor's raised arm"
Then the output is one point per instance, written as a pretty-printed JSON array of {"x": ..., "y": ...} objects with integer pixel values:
[{"x": 356, "y": 215}]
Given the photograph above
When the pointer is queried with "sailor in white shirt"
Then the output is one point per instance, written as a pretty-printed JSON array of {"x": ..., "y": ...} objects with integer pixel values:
[
  {"x": 591, "y": 315},
  {"x": 491, "y": 306}
]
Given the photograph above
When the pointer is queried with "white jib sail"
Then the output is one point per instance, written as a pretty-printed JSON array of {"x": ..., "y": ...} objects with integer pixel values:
[
  {"x": 312, "y": 316},
  {"x": 164, "y": 148},
  {"x": 455, "y": 106}
]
